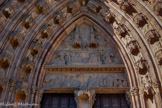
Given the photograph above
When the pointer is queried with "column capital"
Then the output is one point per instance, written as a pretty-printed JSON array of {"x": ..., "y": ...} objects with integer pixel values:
[{"x": 84, "y": 98}]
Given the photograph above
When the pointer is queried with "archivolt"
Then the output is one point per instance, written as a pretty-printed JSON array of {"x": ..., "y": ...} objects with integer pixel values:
[{"x": 138, "y": 37}]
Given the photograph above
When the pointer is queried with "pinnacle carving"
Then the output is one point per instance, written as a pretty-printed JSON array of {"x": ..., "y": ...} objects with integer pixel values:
[
  {"x": 93, "y": 42},
  {"x": 77, "y": 43}
]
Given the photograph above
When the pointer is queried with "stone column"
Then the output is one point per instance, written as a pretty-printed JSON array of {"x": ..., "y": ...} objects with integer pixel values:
[
  {"x": 135, "y": 97},
  {"x": 85, "y": 98}
]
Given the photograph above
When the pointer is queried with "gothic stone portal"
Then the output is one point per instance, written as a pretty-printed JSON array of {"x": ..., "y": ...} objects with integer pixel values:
[{"x": 87, "y": 62}]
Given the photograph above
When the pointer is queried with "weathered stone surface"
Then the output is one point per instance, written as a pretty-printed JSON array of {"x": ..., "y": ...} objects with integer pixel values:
[{"x": 75, "y": 80}]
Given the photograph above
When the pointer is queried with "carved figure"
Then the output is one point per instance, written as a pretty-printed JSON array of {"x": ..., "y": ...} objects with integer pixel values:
[
  {"x": 152, "y": 36},
  {"x": 142, "y": 66},
  {"x": 127, "y": 7},
  {"x": 133, "y": 47},
  {"x": 158, "y": 8},
  {"x": 109, "y": 17},
  {"x": 140, "y": 20}
]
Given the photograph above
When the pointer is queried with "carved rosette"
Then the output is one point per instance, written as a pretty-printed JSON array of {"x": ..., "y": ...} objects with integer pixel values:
[
  {"x": 140, "y": 20},
  {"x": 142, "y": 66},
  {"x": 85, "y": 98},
  {"x": 133, "y": 47},
  {"x": 152, "y": 36}
]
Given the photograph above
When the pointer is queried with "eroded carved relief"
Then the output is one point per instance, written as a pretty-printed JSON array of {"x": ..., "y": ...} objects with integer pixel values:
[
  {"x": 84, "y": 46},
  {"x": 133, "y": 47},
  {"x": 121, "y": 30},
  {"x": 140, "y": 20},
  {"x": 126, "y": 7},
  {"x": 142, "y": 66},
  {"x": 159, "y": 57},
  {"x": 152, "y": 36},
  {"x": 158, "y": 8},
  {"x": 148, "y": 90},
  {"x": 75, "y": 80}
]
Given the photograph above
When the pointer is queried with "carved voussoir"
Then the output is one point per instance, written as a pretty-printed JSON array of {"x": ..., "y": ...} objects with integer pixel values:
[
  {"x": 159, "y": 57},
  {"x": 148, "y": 90},
  {"x": 25, "y": 24},
  {"x": 33, "y": 51},
  {"x": 133, "y": 47},
  {"x": 27, "y": 69},
  {"x": 4, "y": 63},
  {"x": 39, "y": 9},
  {"x": 6, "y": 13},
  {"x": 126, "y": 7},
  {"x": 14, "y": 42},
  {"x": 109, "y": 17},
  {"x": 134, "y": 91},
  {"x": 152, "y": 36},
  {"x": 142, "y": 66},
  {"x": 44, "y": 34},
  {"x": 140, "y": 20},
  {"x": 69, "y": 9},
  {"x": 158, "y": 8}
]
